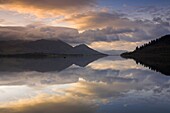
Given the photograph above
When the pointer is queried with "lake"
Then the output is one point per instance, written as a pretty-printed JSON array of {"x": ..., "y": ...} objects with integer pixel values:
[{"x": 81, "y": 85}]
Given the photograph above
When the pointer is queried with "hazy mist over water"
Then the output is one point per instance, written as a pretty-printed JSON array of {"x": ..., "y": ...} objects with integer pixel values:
[{"x": 81, "y": 86}]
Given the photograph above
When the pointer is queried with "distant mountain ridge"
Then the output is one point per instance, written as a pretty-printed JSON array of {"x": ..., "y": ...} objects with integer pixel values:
[{"x": 45, "y": 47}]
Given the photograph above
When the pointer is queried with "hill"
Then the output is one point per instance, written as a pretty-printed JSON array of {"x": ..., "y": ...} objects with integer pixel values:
[
  {"x": 42, "y": 47},
  {"x": 155, "y": 55},
  {"x": 159, "y": 47},
  {"x": 83, "y": 49}
]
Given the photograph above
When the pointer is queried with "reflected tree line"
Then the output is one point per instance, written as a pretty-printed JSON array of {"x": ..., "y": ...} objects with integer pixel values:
[{"x": 156, "y": 65}]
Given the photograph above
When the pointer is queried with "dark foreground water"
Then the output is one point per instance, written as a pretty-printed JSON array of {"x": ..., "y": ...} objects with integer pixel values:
[{"x": 79, "y": 85}]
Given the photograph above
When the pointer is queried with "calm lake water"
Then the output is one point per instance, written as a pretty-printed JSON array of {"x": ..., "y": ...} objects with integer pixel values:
[{"x": 81, "y": 85}]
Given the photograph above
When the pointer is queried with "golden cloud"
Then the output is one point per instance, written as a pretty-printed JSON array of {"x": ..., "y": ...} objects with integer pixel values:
[
  {"x": 117, "y": 45},
  {"x": 81, "y": 97},
  {"x": 114, "y": 65},
  {"x": 47, "y": 7},
  {"x": 45, "y": 103},
  {"x": 99, "y": 91}
]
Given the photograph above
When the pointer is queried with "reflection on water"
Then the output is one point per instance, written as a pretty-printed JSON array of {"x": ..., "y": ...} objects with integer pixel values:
[
  {"x": 44, "y": 64},
  {"x": 107, "y": 85},
  {"x": 157, "y": 64}
]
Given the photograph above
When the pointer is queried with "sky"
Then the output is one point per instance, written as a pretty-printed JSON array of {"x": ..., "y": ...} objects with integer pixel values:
[{"x": 102, "y": 24}]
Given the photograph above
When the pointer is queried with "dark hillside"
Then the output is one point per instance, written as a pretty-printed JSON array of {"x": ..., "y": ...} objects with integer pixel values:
[{"x": 155, "y": 55}]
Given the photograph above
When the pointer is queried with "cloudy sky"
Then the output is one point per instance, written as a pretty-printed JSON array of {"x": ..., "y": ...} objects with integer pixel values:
[{"x": 102, "y": 24}]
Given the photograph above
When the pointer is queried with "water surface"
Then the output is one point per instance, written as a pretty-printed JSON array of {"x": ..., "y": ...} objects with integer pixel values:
[{"x": 79, "y": 85}]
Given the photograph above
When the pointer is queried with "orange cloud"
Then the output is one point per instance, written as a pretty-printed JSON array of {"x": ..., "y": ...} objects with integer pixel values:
[
  {"x": 45, "y": 103},
  {"x": 116, "y": 45},
  {"x": 47, "y": 7},
  {"x": 81, "y": 97}
]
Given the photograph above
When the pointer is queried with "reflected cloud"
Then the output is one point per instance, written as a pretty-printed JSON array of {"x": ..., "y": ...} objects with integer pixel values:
[
  {"x": 88, "y": 96},
  {"x": 70, "y": 75},
  {"x": 79, "y": 90},
  {"x": 46, "y": 103},
  {"x": 114, "y": 63}
]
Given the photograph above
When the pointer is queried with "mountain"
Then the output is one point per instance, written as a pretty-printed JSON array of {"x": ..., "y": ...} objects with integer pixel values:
[
  {"x": 43, "y": 47},
  {"x": 155, "y": 55},
  {"x": 38, "y": 46},
  {"x": 84, "y": 49}
]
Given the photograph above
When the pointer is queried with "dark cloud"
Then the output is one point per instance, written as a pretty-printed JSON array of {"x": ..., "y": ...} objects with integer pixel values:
[
  {"x": 98, "y": 35},
  {"x": 96, "y": 26},
  {"x": 96, "y": 20},
  {"x": 70, "y": 35},
  {"x": 168, "y": 19},
  {"x": 116, "y": 26},
  {"x": 106, "y": 34},
  {"x": 150, "y": 9},
  {"x": 161, "y": 22},
  {"x": 37, "y": 32},
  {"x": 112, "y": 30},
  {"x": 154, "y": 11}
]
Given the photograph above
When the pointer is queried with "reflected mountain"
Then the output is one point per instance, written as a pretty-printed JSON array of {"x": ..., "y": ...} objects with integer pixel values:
[{"x": 45, "y": 64}]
